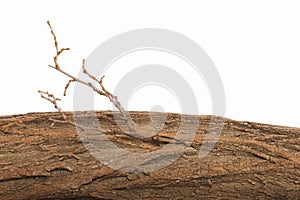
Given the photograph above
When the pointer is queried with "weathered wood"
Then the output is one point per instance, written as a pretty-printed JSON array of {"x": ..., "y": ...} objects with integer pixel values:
[{"x": 250, "y": 161}]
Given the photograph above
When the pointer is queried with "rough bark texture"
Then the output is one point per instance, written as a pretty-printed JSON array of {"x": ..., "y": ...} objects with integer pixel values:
[{"x": 250, "y": 161}]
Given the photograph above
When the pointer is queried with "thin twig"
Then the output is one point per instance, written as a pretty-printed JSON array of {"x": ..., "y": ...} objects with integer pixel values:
[
  {"x": 51, "y": 98},
  {"x": 67, "y": 86},
  {"x": 101, "y": 91},
  {"x": 58, "y": 52},
  {"x": 84, "y": 70}
]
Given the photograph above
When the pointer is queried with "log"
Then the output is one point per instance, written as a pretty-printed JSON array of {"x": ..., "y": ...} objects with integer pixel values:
[{"x": 249, "y": 161}]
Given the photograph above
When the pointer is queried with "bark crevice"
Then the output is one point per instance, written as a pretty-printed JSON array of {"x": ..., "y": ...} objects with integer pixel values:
[{"x": 249, "y": 161}]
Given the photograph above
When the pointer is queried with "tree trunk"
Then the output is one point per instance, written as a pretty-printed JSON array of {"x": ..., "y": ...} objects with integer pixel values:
[{"x": 249, "y": 161}]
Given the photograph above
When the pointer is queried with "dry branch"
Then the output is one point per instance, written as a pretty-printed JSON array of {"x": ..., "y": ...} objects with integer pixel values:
[
  {"x": 52, "y": 99},
  {"x": 102, "y": 91}
]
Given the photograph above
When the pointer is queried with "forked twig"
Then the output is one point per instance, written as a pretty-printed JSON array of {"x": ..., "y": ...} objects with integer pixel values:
[
  {"x": 102, "y": 91},
  {"x": 51, "y": 98}
]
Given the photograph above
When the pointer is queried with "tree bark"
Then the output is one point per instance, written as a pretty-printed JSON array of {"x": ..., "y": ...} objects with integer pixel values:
[{"x": 249, "y": 161}]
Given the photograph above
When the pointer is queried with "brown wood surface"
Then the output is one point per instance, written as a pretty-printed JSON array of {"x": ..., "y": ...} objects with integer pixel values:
[{"x": 250, "y": 161}]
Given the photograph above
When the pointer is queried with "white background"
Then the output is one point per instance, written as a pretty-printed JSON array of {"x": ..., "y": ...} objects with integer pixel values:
[{"x": 255, "y": 46}]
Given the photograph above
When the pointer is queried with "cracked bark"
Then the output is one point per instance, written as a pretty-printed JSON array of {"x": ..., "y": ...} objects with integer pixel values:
[{"x": 250, "y": 160}]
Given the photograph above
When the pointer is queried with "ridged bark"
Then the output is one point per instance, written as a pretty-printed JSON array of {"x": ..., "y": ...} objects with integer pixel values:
[{"x": 250, "y": 161}]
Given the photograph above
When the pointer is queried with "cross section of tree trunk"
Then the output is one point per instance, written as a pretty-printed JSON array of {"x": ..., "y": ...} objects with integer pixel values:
[{"x": 249, "y": 161}]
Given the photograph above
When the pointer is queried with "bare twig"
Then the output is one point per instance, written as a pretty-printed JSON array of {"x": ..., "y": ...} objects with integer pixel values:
[
  {"x": 67, "y": 86},
  {"x": 84, "y": 70},
  {"x": 58, "y": 51},
  {"x": 51, "y": 98},
  {"x": 112, "y": 98},
  {"x": 101, "y": 91}
]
